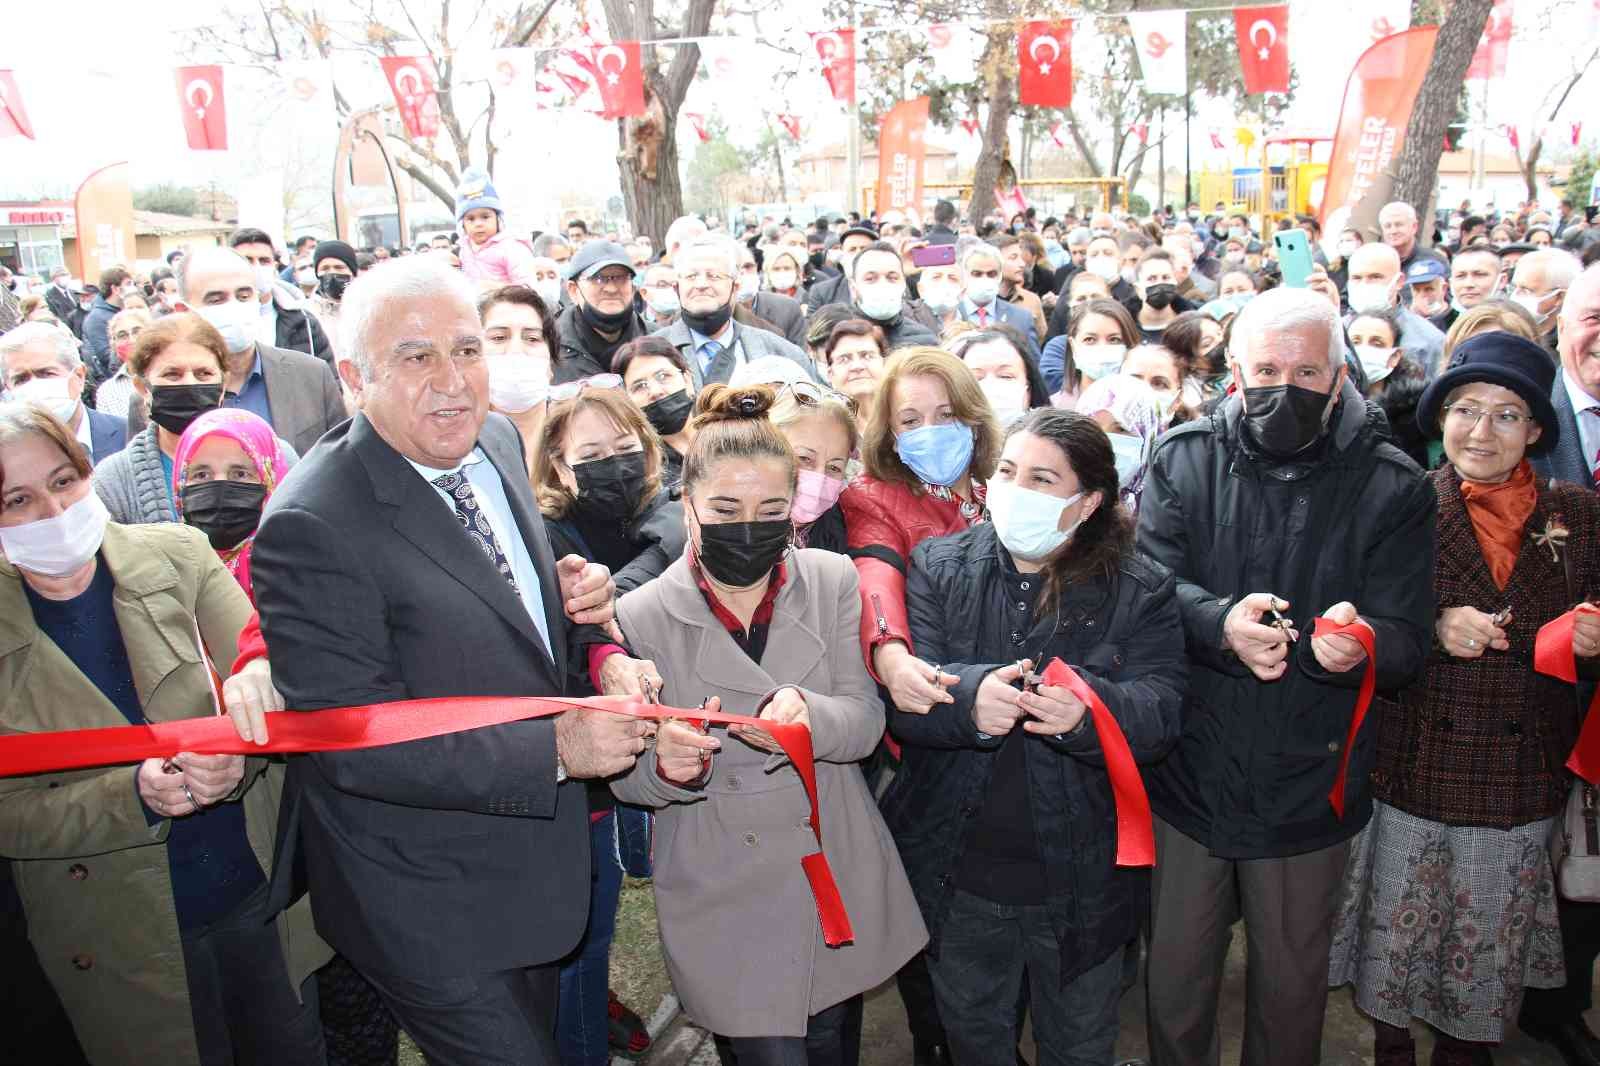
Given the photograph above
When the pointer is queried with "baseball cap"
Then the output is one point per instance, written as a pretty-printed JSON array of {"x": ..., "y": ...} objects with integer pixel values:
[
  {"x": 1425, "y": 268},
  {"x": 594, "y": 257}
]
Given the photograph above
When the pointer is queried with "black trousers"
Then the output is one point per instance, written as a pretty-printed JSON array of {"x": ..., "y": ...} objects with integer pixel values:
[
  {"x": 1580, "y": 944},
  {"x": 245, "y": 1011},
  {"x": 833, "y": 1038},
  {"x": 494, "y": 1019}
]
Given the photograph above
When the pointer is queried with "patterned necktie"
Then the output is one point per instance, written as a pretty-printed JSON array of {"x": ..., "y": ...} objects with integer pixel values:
[
  {"x": 708, "y": 355},
  {"x": 475, "y": 522},
  {"x": 1594, "y": 464},
  {"x": 983, "y": 317}
]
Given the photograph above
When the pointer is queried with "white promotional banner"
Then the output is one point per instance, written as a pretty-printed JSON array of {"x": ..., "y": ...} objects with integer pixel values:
[
  {"x": 1162, "y": 40},
  {"x": 955, "y": 51},
  {"x": 308, "y": 83}
]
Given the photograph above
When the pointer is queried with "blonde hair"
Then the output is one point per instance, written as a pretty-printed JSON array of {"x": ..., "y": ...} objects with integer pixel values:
[
  {"x": 555, "y": 499},
  {"x": 733, "y": 423},
  {"x": 967, "y": 403},
  {"x": 1487, "y": 317},
  {"x": 792, "y": 406}
]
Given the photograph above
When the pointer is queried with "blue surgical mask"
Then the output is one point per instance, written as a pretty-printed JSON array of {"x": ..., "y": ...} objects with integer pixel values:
[
  {"x": 1129, "y": 452},
  {"x": 939, "y": 455},
  {"x": 1026, "y": 521}
]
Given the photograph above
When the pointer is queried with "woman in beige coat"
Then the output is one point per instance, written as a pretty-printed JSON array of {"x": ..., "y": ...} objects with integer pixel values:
[
  {"x": 762, "y": 629},
  {"x": 143, "y": 886}
]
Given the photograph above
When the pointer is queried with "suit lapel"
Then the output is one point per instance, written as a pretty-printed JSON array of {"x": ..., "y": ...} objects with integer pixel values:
[
  {"x": 289, "y": 413},
  {"x": 1569, "y": 462}
]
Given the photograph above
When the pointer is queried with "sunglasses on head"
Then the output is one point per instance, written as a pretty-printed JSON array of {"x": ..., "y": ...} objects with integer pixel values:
[{"x": 567, "y": 390}]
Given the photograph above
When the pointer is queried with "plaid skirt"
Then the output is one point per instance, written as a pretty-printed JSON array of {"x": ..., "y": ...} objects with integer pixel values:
[{"x": 1447, "y": 924}]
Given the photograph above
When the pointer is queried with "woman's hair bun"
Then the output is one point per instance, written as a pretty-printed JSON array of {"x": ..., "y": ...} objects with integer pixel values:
[{"x": 722, "y": 403}]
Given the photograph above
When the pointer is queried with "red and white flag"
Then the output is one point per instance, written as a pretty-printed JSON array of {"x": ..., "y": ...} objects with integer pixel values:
[
  {"x": 1511, "y": 135},
  {"x": 955, "y": 50},
  {"x": 1263, "y": 48},
  {"x": 619, "y": 78},
  {"x": 1216, "y": 142},
  {"x": 308, "y": 84},
  {"x": 1162, "y": 41},
  {"x": 1388, "y": 17},
  {"x": 411, "y": 81},
  {"x": 698, "y": 121},
  {"x": 1141, "y": 130},
  {"x": 1577, "y": 132},
  {"x": 1489, "y": 61},
  {"x": 790, "y": 123},
  {"x": 837, "y": 51},
  {"x": 1056, "y": 130},
  {"x": 1044, "y": 55},
  {"x": 13, "y": 116},
  {"x": 205, "y": 117},
  {"x": 970, "y": 125}
]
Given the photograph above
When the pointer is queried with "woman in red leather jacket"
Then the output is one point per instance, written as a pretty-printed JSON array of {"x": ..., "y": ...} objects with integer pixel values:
[{"x": 930, "y": 444}]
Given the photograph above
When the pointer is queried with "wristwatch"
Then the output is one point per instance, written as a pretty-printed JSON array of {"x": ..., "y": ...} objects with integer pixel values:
[{"x": 561, "y": 768}]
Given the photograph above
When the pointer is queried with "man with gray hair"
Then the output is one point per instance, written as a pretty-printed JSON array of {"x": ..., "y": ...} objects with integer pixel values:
[
  {"x": 1397, "y": 220},
  {"x": 1286, "y": 505},
  {"x": 406, "y": 559},
  {"x": 1374, "y": 279},
  {"x": 1539, "y": 283},
  {"x": 40, "y": 364}
]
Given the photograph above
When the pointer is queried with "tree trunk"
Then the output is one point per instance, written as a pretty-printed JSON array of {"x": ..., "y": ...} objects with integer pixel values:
[
  {"x": 1530, "y": 169},
  {"x": 1002, "y": 101},
  {"x": 1085, "y": 149},
  {"x": 1417, "y": 170}
]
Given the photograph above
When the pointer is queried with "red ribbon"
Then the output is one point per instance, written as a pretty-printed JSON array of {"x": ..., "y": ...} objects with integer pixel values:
[
  {"x": 1553, "y": 655},
  {"x": 374, "y": 725},
  {"x": 1136, "y": 842},
  {"x": 1362, "y": 634}
]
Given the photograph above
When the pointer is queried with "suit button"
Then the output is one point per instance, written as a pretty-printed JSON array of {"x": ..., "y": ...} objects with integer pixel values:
[
  {"x": 78, "y": 872},
  {"x": 1021, "y": 606},
  {"x": 733, "y": 782},
  {"x": 751, "y": 840},
  {"x": 83, "y": 961},
  {"x": 1016, "y": 637},
  {"x": 1333, "y": 747},
  {"x": 1025, "y": 586}
]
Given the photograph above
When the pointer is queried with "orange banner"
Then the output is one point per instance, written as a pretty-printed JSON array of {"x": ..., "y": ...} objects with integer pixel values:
[
  {"x": 104, "y": 209},
  {"x": 901, "y": 151},
  {"x": 1372, "y": 123}
]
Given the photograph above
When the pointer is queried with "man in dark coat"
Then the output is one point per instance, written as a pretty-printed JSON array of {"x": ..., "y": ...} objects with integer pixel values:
[
  {"x": 600, "y": 315},
  {"x": 1288, "y": 499}
]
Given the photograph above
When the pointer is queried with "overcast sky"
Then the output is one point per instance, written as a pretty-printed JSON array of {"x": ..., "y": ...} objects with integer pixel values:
[{"x": 98, "y": 85}]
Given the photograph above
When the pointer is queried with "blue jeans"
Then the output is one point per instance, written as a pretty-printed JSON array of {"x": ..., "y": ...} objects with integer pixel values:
[
  {"x": 581, "y": 1020},
  {"x": 984, "y": 949}
]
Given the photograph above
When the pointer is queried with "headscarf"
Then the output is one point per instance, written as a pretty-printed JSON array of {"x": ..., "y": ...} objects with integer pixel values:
[
  {"x": 255, "y": 436},
  {"x": 1135, "y": 407}
]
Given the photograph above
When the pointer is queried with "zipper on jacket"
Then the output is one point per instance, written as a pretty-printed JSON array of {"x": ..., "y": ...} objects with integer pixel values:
[{"x": 877, "y": 611}]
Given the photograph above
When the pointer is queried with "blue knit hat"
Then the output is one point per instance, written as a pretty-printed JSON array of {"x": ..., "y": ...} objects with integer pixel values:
[{"x": 474, "y": 192}]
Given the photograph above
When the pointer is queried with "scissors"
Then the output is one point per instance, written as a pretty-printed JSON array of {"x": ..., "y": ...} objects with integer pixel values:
[
  {"x": 652, "y": 695},
  {"x": 1284, "y": 625}
]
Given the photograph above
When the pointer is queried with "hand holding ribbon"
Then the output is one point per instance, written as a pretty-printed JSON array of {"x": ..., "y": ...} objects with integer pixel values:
[
  {"x": 1362, "y": 634},
  {"x": 1554, "y": 655}
]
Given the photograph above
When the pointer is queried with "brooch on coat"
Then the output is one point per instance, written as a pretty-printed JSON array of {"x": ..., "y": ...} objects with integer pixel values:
[{"x": 1553, "y": 537}]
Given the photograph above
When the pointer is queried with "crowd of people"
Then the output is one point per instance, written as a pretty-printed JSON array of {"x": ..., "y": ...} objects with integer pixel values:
[{"x": 864, "y": 476}]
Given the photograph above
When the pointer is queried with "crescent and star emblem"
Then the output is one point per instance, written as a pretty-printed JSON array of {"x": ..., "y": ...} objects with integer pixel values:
[
  {"x": 1033, "y": 52},
  {"x": 1272, "y": 36}
]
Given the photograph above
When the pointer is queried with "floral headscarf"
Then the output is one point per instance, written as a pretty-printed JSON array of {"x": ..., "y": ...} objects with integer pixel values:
[
  {"x": 255, "y": 436},
  {"x": 1135, "y": 407}
]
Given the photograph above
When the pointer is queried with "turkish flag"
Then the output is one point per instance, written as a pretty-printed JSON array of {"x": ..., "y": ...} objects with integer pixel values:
[
  {"x": 1263, "y": 48},
  {"x": 1044, "y": 58},
  {"x": 205, "y": 118},
  {"x": 698, "y": 121},
  {"x": 970, "y": 125},
  {"x": 1489, "y": 61},
  {"x": 620, "y": 79},
  {"x": 1577, "y": 132},
  {"x": 791, "y": 123},
  {"x": 411, "y": 80},
  {"x": 14, "y": 117},
  {"x": 901, "y": 153},
  {"x": 837, "y": 50}
]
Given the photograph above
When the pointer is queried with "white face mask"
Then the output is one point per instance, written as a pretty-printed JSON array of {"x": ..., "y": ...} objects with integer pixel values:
[
  {"x": 1367, "y": 296},
  {"x": 1095, "y": 361},
  {"x": 749, "y": 285},
  {"x": 550, "y": 292},
  {"x": 1129, "y": 452},
  {"x": 265, "y": 277},
  {"x": 1530, "y": 303},
  {"x": 517, "y": 382},
  {"x": 1007, "y": 397},
  {"x": 1104, "y": 266},
  {"x": 663, "y": 302},
  {"x": 982, "y": 291},
  {"x": 1129, "y": 274},
  {"x": 882, "y": 301},
  {"x": 58, "y": 546},
  {"x": 48, "y": 393},
  {"x": 940, "y": 296},
  {"x": 1347, "y": 249},
  {"x": 236, "y": 320},
  {"x": 1026, "y": 521},
  {"x": 782, "y": 279},
  {"x": 1374, "y": 362}
]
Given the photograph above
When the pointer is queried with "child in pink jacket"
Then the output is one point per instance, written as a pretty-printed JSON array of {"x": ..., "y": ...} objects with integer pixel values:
[{"x": 488, "y": 254}]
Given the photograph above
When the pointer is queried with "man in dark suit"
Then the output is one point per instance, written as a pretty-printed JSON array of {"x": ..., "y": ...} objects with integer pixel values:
[
  {"x": 39, "y": 363},
  {"x": 295, "y": 393},
  {"x": 406, "y": 559},
  {"x": 61, "y": 300},
  {"x": 1576, "y": 394},
  {"x": 980, "y": 296},
  {"x": 942, "y": 231}
]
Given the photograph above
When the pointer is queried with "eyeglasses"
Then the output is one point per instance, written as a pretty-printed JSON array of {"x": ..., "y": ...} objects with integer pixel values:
[
  {"x": 664, "y": 378},
  {"x": 709, "y": 277},
  {"x": 567, "y": 390},
  {"x": 1505, "y": 420},
  {"x": 810, "y": 394},
  {"x": 611, "y": 279}
]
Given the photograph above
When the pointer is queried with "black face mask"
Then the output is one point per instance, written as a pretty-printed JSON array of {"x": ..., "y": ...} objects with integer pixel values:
[
  {"x": 816, "y": 259},
  {"x": 668, "y": 414},
  {"x": 173, "y": 407},
  {"x": 1285, "y": 420},
  {"x": 225, "y": 511},
  {"x": 709, "y": 323},
  {"x": 603, "y": 321},
  {"x": 739, "y": 554},
  {"x": 1160, "y": 297},
  {"x": 609, "y": 488},
  {"x": 333, "y": 285},
  {"x": 1216, "y": 358}
]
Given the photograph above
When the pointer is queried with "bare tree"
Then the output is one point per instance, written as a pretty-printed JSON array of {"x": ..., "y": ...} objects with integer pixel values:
[
  {"x": 1529, "y": 162},
  {"x": 647, "y": 145},
  {"x": 999, "y": 66},
  {"x": 1416, "y": 172}
]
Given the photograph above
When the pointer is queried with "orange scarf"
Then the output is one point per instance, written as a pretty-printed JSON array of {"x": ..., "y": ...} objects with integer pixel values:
[{"x": 1499, "y": 516}]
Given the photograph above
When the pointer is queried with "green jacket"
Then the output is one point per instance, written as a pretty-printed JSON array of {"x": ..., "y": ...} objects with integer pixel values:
[{"x": 92, "y": 873}]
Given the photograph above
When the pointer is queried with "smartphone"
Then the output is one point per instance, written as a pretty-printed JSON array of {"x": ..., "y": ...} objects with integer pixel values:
[
  {"x": 1294, "y": 256},
  {"x": 934, "y": 255}
]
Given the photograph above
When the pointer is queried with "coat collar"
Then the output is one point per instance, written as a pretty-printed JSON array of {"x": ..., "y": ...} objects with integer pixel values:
[
  {"x": 719, "y": 661},
  {"x": 1461, "y": 555}
]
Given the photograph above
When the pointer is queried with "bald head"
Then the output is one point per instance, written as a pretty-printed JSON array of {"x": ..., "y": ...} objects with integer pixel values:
[
  {"x": 213, "y": 274},
  {"x": 1374, "y": 262}
]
